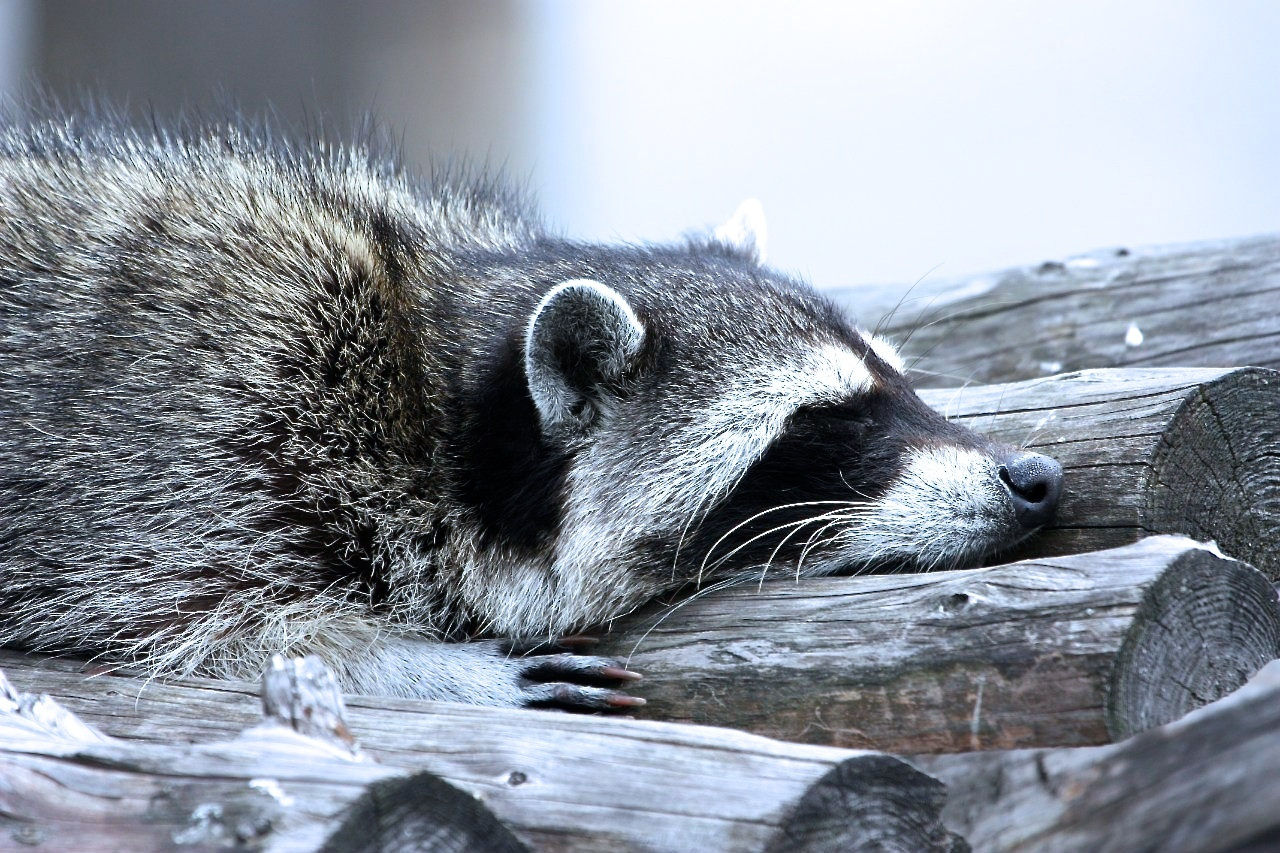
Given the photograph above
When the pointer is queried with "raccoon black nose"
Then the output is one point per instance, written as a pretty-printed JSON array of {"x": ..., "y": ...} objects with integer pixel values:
[{"x": 1035, "y": 484}]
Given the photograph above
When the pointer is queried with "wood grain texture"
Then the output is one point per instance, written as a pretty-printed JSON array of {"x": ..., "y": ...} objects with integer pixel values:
[
  {"x": 1213, "y": 304},
  {"x": 1165, "y": 450},
  {"x": 1062, "y": 651},
  {"x": 1203, "y": 784},
  {"x": 560, "y": 782},
  {"x": 65, "y": 786}
]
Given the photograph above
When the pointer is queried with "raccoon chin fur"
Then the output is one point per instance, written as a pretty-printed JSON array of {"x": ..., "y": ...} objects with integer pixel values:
[{"x": 262, "y": 398}]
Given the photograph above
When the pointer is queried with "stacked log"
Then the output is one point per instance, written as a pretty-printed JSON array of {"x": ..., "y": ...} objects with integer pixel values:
[
  {"x": 1052, "y": 652},
  {"x": 1171, "y": 450},
  {"x": 535, "y": 780},
  {"x": 1201, "y": 305},
  {"x": 295, "y": 781},
  {"x": 1206, "y": 783},
  {"x": 446, "y": 777}
]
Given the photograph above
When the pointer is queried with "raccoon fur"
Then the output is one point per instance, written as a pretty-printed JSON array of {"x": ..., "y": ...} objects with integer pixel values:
[{"x": 261, "y": 398}]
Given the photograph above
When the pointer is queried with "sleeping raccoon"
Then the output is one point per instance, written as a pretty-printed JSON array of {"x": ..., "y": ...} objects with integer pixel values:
[{"x": 256, "y": 398}]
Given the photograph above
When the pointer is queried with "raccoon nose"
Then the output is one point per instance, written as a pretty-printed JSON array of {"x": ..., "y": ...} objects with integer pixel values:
[{"x": 1034, "y": 482}]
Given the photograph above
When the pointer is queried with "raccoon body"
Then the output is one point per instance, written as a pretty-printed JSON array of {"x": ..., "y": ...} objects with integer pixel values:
[{"x": 257, "y": 399}]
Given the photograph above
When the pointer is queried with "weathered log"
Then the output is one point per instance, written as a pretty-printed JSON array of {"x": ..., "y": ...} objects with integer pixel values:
[
  {"x": 1199, "y": 305},
  {"x": 558, "y": 781},
  {"x": 1164, "y": 450},
  {"x": 292, "y": 783},
  {"x": 1057, "y": 652},
  {"x": 1205, "y": 783},
  {"x": 872, "y": 805}
]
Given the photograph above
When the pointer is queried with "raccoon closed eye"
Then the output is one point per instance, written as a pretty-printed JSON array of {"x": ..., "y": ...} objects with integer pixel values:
[{"x": 841, "y": 413}]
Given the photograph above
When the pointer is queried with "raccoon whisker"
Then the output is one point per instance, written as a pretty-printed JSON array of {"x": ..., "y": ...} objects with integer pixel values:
[
  {"x": 726, "y": 583},
  {"x": 761, "y": 514},
  {"x": 911, "y": 368},
  {"x": 888, "y": 318},
  {"x": 991, "y": 418},
  {"x": 772, "y": 556},
  {"x": 1031, "y": 437},
  {"x": 701, "y": 510},
  {"x": 772, "y": 530},
  {"x": 944, "y": 318},
  {"x": 797, "y": 525},
  {"x": 811, "y": 543}
]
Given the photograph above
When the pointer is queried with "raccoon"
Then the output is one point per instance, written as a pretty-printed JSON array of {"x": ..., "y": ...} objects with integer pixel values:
[{"x": 258, "y": 397}]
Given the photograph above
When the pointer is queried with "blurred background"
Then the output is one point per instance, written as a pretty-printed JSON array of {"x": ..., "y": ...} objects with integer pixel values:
[{"x": 887, "y": 140}]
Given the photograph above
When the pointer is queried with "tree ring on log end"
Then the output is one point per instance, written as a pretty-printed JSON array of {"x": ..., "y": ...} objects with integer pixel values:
[
  {"x": 1202, "y": 629},
  {"x": 420, "y": 812},
  {"x": 869, "y": 802},
  {"x": 1215, "y": 475}
]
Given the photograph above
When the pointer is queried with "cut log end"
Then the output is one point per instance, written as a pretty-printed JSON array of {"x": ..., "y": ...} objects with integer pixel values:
[
  {"x": 1202, "y": 629},
  {"x": 421, "y": 812},
  {"x": 1216, "y": 474},
  {"x": 1179, "y": 451},
  {"x": 870, "y": 802}
]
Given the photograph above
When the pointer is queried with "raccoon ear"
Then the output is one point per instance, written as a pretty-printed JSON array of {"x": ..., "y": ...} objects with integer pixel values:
[
  {"x": 581, "y": 340},
  {"x": 746, "y": 231}
]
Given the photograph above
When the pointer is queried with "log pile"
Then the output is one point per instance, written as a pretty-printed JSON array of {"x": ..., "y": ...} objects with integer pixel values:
[
  {"x": 1062, "y": 651},
  {"x": 459, "y": 777},
  {"x": 1202, "y": 305},
  {"x": 432, "y": 776},
  {"x": 1169, "y": 450},
  {"x": 1091, "y": 692},
  {"x": 1207, "y": 782}
]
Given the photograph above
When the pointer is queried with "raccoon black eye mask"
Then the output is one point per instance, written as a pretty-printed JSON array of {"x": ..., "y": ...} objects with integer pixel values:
[{"x": 257, "y": 399}]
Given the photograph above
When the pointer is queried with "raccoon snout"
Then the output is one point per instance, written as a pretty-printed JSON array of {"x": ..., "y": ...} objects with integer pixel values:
[{"x": 1034, "y": 482}]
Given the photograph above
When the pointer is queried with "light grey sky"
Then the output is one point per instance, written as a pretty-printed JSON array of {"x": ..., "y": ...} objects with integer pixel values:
[
  {"x": 889, "y": 138},
  {"x": 885, "y": 139}
]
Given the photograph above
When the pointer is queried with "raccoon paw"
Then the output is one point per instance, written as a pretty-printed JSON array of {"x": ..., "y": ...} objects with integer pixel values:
[{"x": 574, "y": 682}]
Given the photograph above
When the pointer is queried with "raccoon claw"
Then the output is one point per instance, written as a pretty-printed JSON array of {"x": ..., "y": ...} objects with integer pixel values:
[
  {"x": 617, "y": 673},
  {"x": 577, "y": 682},
  {"x": 575, "y": 697}
]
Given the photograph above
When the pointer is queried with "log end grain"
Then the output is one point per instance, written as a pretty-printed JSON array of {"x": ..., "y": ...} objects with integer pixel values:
[
  {"x": 420, "y": 812},
  {"x": 1216, "y": 474},
  {"x": 1201, "y": 630},
  {"x": 869, "y": 802}
]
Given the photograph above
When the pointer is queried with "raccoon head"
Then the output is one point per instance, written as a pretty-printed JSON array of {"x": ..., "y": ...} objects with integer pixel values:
[{"x": 719, "y": 421}]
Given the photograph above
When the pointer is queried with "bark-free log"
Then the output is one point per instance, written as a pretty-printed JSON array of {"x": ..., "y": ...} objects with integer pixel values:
[
  {"x": 1165, "y": 450},
  {"x": 1205, "y": 783},
  {"x": 63, "y": 786},
  {"x": 1065, "y": 651},
  {"x": 1200, "y": 305},
  {"x": 558, "y": 781}
]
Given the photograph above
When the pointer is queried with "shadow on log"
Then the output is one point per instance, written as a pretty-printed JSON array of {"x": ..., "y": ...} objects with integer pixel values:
[
  {"x": 1057, "y": 652},
  {"x": 1186, "y": 451},
  {"x": 1202, "y": 305},
  {"x": 1203, "y": 784}
]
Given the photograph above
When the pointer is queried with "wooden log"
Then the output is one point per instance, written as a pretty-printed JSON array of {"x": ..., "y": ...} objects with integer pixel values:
[
  {"x": 1200, "y": 305},
  {"x": 1058, "y": 652},
  {"x": 1205, "y": 783},
  {"x": 560, "y": 782},
  {"x": 64, "y": 786},
  {"x": 1163, "y": 450}
]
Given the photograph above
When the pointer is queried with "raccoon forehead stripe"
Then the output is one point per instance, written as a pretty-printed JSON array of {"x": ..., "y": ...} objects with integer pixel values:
[
  {"x": 835, "y": 373},
  {"x": 887, "y": 352}
]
